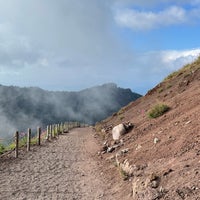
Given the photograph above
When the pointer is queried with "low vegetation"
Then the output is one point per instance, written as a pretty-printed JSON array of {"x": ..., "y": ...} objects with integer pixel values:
[
  {"x": 188, "y": 69},
  {"x": 120, "y": 114},
  {"x": 2, "y": 148},
  {"x": 22, "y": 143},
  {"x": 124, "y": 174},
  {"x": 158, "y": 110}
]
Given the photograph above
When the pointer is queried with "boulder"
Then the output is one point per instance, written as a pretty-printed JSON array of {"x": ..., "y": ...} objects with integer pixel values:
[
  {"x": 121, "y": 129},
  {"x": 118, "y": 131}
]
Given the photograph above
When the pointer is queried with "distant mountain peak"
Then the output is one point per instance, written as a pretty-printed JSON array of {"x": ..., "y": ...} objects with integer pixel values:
[{"x": 21, "y": 108}]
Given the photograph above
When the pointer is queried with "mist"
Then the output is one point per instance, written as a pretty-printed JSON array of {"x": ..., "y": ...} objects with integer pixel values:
[{"x": 23, "y": 108}]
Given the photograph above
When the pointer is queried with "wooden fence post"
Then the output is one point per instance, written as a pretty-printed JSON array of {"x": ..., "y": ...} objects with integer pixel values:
[
  {"x": 29, "y": 140},
  {"x": 61, "y": 128},
  {"x": 50, "y": 129},
  {"x": 17, "y": 144},
  {"x": 47, "y": 133},
  {"x": 39, "y": 135},
  {"x": 53, "y": 130},
  {"x": 65, "y": 125},
  {"x": 58, "y": 129}
]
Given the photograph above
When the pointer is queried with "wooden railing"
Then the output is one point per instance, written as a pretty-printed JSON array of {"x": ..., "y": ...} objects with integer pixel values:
[{"x": 48, "y": 134}]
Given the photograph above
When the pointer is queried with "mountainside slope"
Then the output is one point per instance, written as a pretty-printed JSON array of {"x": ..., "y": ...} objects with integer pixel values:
[
  {"x": 163, "y": 153},
  {"x": 21, "y": 108}
]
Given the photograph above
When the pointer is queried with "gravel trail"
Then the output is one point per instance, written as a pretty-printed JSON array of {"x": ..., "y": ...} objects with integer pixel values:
[{"x": 62, "y": 169}]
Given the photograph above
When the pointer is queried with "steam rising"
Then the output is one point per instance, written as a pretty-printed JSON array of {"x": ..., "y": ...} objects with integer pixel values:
[{"x": 22, "y": 108}]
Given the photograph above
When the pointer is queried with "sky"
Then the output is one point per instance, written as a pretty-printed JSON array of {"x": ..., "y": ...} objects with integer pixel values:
[{"x": 70, "y": 45}]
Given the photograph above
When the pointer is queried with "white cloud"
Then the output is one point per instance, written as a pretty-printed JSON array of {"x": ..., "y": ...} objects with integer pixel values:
[
  {"x": 146, "y": 20},
  {"x": 15, "y": 50},
  {"x": 175, "y": 59},
  {"x": 78, "y": 31},
  {"x": 154, "y": 66}
]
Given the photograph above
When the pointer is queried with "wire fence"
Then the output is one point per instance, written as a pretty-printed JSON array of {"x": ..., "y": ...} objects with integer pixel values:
[{"x": 26, "y": 139}]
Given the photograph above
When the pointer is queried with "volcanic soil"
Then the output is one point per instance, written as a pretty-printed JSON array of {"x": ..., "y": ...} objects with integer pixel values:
[{"x": 163, "y": 152}]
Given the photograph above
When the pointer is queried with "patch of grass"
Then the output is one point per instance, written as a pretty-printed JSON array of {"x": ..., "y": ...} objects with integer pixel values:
[
  {"x": 124, "y": 175},
  {"x": 172, "y": 75},
  {"x": 23, "y": 142},
  {"x": 34, "y": 140},
  {"x": 158, "y": 110},
  {"x": 160, "y": 90},
  {"x": 188, "y": 69},
  {"x": 120, "y": 112},
  {"x": 168, "y": 86},
  {"x": 121, "y": 117},
  {"x": 2, "y": 148},
  {"x": 10, "y": 147},
  {"x": 98, "y": 127}
]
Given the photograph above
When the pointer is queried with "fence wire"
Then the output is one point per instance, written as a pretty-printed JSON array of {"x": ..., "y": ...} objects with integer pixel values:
[{"x": 48, "y": 133}]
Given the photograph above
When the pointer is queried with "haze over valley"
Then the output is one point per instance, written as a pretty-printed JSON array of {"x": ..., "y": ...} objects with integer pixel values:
[{"x": 22, "y": 108}]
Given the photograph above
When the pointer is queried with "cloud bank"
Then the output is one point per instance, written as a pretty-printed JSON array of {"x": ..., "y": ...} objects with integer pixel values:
[{"x": 71, "y": 45}]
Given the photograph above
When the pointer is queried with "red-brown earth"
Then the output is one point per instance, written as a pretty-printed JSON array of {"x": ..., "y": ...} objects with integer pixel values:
[{"x": 163, "y": 152}]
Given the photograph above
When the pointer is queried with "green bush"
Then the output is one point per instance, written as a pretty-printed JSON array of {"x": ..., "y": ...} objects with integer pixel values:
[
  {"x": 2, "y": 148},
  {"x": 158, "y": 110}
]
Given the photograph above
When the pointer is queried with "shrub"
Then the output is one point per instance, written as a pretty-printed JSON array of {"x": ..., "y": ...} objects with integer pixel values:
[
  {"x": 158, "y": 110},
  {"x": 2, "y": 148},
  {"x": 120, "y": 112},
  {"x": 124, "y": 174}
]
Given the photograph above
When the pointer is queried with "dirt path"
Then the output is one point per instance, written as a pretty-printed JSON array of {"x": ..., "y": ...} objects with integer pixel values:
[{"x": 62, "y": 169}]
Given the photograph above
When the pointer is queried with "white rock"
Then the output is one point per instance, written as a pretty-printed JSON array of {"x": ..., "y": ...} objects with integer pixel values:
[
  {"x": 156, "y": 140},
  {"x": 118, "y": 131},
  {"x": 188, "y": 122}
]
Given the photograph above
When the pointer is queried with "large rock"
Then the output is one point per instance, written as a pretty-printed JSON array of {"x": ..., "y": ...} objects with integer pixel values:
[
  {"x": 118, "y": 131},
  {"x": 121, "y": 129}
]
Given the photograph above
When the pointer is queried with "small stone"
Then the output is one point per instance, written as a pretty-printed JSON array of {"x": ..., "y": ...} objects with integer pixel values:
[
  {"x": 162, "y": 190},
  {"x": 188, "y": 122},
  {"x": 154, "y": 184},
  {"x": 125, "y": 150},
  {"x": 105, "y": 143},
  {"x": 138, "y": 147},
  {"x": 110, "y": 149},
  {"x": 156, "y": 140},
  {"x": 153, "y": 177},
  {"x": 100, "y": 196}
]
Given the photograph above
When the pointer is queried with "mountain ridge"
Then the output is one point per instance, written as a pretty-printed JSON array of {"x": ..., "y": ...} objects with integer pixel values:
[{"x": 21, "y": 108}]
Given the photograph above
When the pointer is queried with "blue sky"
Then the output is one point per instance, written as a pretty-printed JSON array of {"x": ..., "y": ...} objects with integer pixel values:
[{"x": 73, "y": 45}]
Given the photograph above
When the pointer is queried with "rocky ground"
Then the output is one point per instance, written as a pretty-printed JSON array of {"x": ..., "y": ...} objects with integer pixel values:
[{"x": 161, "y": 156}]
